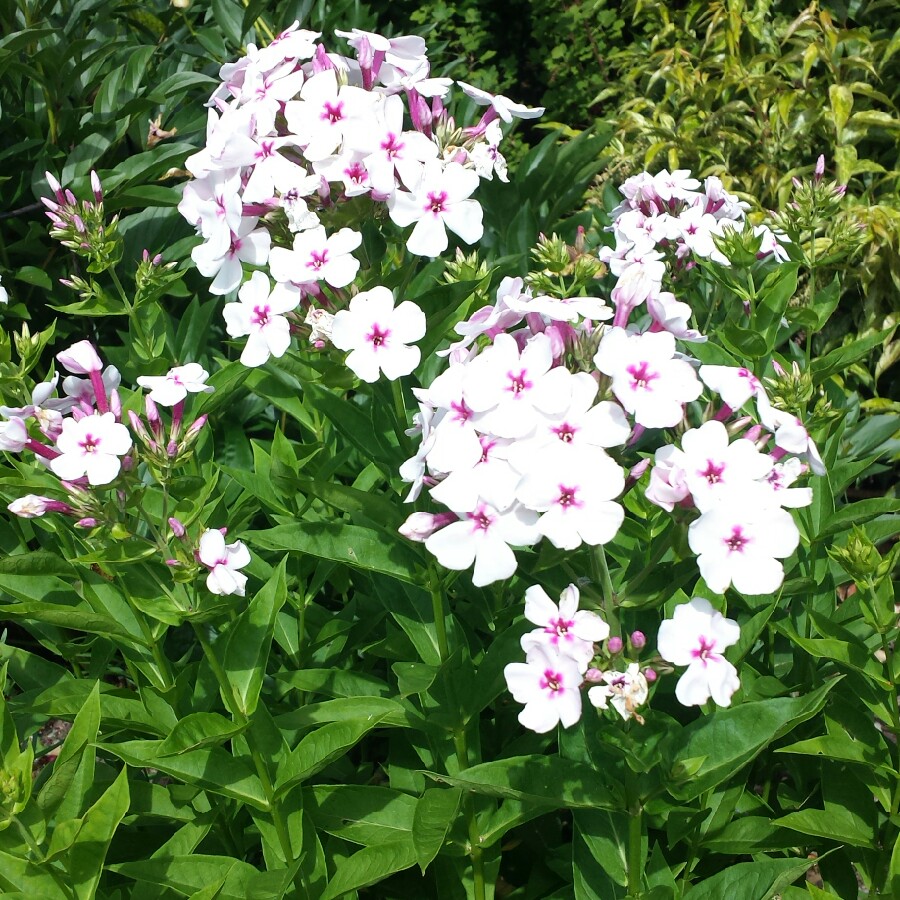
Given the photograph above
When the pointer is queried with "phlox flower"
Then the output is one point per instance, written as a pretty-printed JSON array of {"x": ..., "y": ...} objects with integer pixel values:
[
  {"x": 223, "y": 561},
  {"x": 695, "y": 637},
  {"x": 502, "y": 106},
  {"x": 13, "y": 435},
  {"x": 740, "y": 540},
  {"x": 440, "y": 201},
  {"x": 377, "y": 334},
  {"x": 548, "y": 683},
  {"x": 486, "y": 155},
  {"x": 734, "y": 384},
  {"x": 91, "y": 446},
  {"x": 248, "y": 245},
  {"x": 260, "y": 315},
  {"x": 625, "y": 691},
  {"x": 317, "y": 256},
  {"x": 646, "y": 379},
  {"x": 488, "y": 477},
  {"x": 177, "y": 383},
  {"x": 566, "y": 628},
  {"x": 483, "y": 537},
  {"x": 33, "y": 506}
]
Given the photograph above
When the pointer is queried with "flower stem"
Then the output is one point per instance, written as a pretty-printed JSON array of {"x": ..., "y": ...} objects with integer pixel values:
[
  {"x": 635, "y": 855},
  {"x": 601, "y": 577}
]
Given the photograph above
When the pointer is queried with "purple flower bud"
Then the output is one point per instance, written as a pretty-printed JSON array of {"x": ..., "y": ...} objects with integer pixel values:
[
  {"x": 79, "y": 225},
  {"x": 138, "y": 427},
  {"x": 127, "y": 463},
  {"x": 614, "y": 645},
  {"x": 195, "y": 429},
  {"x": 146, "y": 255},
  {"x": 820, "y": 167},
  {"x": 115, "y": 404},
  {"x": 797, "y": 182},
  {"x": 87, "y": 522},
  {"x": 421, "y": 525},
  {"x": 177, "y": 527},
  {"x": 172, "y": 449},
  {"x": 157, "y": 259},
  {"x": 153, "y": 418},
  {"x": 651, "y": 675},
  {"x": 638, "y": 640},
  {"x": 80, "y": 359},
  {"x": 70, "y": 198},
  {"x": 53, "y": 207},
  {"x": 593, "y": 676},
  {"x": 55, "y": 186},
  {"x": 779, "y": 369},
  {"x": 173, "y": 563}
]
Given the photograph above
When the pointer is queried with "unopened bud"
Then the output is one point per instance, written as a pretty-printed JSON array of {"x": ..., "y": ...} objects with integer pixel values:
[
  {"x": 650, "y": 675},
  {"x": 593, "y": 676},
  {"x": 820, "y": 167},
  {"x": 614, "y": 645},
  {"x": 177, "y": 527},
  {"x": 421, "y": 525},
  {"x": 87, "y": 522},
  {"x": 96, "y": 186},
  {"x": 638, "y": 640}
]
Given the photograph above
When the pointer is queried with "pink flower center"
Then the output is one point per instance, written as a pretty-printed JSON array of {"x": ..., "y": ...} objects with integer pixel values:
[
  {"x": 518, "y": 383},
  {"x": 332, "y": 112},
  {"x": 356, "y": 173},
  {"x": 567, "y": 497},
  {"x": 378, "y": 336},
  {"x": 552, "y": 681},
  {"x": 266, "y": 149},
  {"x": 560, "y": 628},
  {"x": 260, "y": 315},
  {"x": 486, "y": 447},
  {"x": 461, "y": 412},
  {"x": 713, "y": 472},
  {"x": 705, "y": 650},
  {"x": 436, "y": 202},
  {"x": 317, "y": 259},
  {"x": 235, "y": 244},
  {"x": 737, "y": 541},
  {"x": 641, "y": 376},
  {"x": 565, "y": 432},
  {"x": 481, "y": 520},
  {"x": 89, "y": 444},
  {"x": 392, "y": 146}
]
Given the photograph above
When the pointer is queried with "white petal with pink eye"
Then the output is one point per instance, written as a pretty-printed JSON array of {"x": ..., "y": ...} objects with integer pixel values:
[
  {"x": 376, "y": 334},
  {"x": 696, "y": 636},
  {"x": 223, "y": 560},
  {"x": 734, "y": 384},
  {"x": 91, "y": 446},
  {"x": 548, "y": 683},
  {"x": 176, "y": 384}
]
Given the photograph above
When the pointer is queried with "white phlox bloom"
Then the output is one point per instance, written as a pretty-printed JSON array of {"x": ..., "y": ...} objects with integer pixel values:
[
  {"x": 735, "y": 385},
  {"x": 646, "y": 379},
  {"x": 740, "y": 540},
  {"x": 412, "y": 471},
  {"x": 697, "y": 229},
  {"x": 511, "y": 390},
  {"x": 492, "y": 320},
  {"x": 213, "y": 206},
  {"x": 780, "y": 479},
  {"x": 440, "y": 201},
  {"x": 667, "y": 483},
  {"x": 91, "y": 446},
  {"x": 695, "y": 637},
  {"x": 317, "y": 256},
  {"x": 377, "y": 335},
  {"x": 624, "y": 691},
  {"x": 674, "y": 316},
  {"x": 567, "y": 309},
  {"x": 712, "y": 468},
  {"x": 575, "y": 492},
  {"x": 790, "y": 434},
  {"x": 548, "y": 683},
  {"x": 176, "y": 384},
  {"x": 490, "y": 477},
  {"x": 81, "y": 390},
  {"x": 13, "y": 435},
  {"x": 259, "y": 314},
  {"x": 483, "y": 537},
  {"x": 565, "y": 628},
  {"x": 223, "y": 561},
  {"x": 248, "y": 245},
  {"x": 486, "y": 155}
]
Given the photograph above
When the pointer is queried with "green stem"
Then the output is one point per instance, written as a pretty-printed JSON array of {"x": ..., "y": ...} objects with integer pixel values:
[
  {"x": 460, "y": 744},
  {"x": 894, "y": 703},
  {"x": 661, "y": 548},
  {"x": 259, "y": 763},
  {"x": 161, "y": 660},
  {"x": 635, "y": 855},
  {"x": 600, "y": 571}
]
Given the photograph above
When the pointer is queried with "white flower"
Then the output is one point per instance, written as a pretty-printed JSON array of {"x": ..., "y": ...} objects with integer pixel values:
[
  {"x": 91, "y": 446},
  {"x": 739, "y": 540},
  {"x": 646, "y": 379},
  {"x": 80, "y": 358},
  {"x": 377, "y": 334},
  {"x": 486, "y": 155},
  {"x": 13, "y": 435},
  {"x": 223, "y": 562},
  {"x": 317, "y": 256},
  {"x": 735, "y": 385},
  {"x": 626, "y": 691},
  {"x": 548, "y": 683},
  {"x": 246, "y": 245},
  {"x": 259, "y": 314},
  {"x": 505, "y": 108},
  {"x": 695, "y": 637},
  {"x": 440, "y": 201},
  {"x": 483, "y": 536},
  {"x": 567, "y": 629},
  {"x": 176, "y": 384}
]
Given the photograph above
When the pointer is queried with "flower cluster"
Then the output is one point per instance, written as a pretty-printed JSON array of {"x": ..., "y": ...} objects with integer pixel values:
[
  {"x": 562, "y": 657},
  {"x": 296, "y": 132},
  {"x": 83, "y": 439},
  {"x": 665, "y": 222},
  {"x": 527, "y": 435}
]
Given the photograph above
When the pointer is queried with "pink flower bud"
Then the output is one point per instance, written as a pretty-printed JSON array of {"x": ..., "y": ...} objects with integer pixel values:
[
  {"x": 115, "y": 404},
  {"x": 96, "y": 187},
  {"x": 820, "y": 167},
  {"x": 593, "y": 676},
  {"x": 87, "y": 522},
  {"x": 80, "y": 359},
  {"x": 55, "y": 186},
  {"x": 638, "y": 640},
  {"x": 614, "y": 645},
  {"x": 651, "y": 675},
  {"x": 177, "y": 527},
  {"x": 421, "y": 525}
]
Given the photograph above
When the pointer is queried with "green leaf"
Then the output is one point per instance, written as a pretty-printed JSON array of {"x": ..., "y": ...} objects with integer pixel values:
[
  {"x": 547, "y": 780},
  {"x": 319, "y": 749},
  {"x": 361, "y": 548},
  {"x": 840, "y": 359},
  {"x": 750, "y": 881},
  {"x": 85, "y": 859},
  {"x": 857, "y": 513},
  {"x": 435, "y": 814},
  {"x": 727, "y": 740},
  {"x": 34, "y": 275},
  {"x": 210, "y": 768},
  {"x": 250, "y": 640},
  {"x": 364, "y": 814},
  {"x": 368, "y": 866},
  {"x": 64, "y": 792},
  {"x": 841, "y": 99},
  {"x": 198, "y": 730}
]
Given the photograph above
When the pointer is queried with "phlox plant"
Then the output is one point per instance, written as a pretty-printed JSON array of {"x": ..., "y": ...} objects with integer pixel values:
[{"x": 406, "y": 573}]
